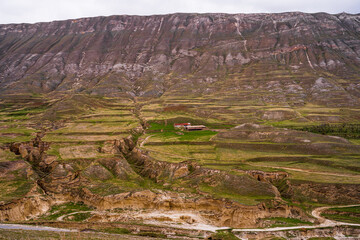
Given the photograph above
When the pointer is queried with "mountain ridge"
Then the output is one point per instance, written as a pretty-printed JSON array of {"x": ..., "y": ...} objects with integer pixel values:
[
  {"x": 176, "y": 13},
  {"x": 141, "y": 53}
]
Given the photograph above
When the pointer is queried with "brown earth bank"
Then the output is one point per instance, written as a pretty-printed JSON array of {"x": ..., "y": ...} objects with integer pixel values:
[
  {"x": 133, "y": 228},
  {"x": 61, "y": 183},
  {"x": 326, "y": 193}
]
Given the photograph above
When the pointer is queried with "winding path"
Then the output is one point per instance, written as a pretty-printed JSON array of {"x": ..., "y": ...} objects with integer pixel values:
[
  {"x": 61, "y": 218},
  {"x": 145, "y": 140},
  {"x": 36, "y": 228},
  {"x": 309, "y": 171},
  {"x": 316, "y": 213}
]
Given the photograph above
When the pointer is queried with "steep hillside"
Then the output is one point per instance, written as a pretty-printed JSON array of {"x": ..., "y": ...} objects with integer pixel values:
[{"x": 287, "y": 57}]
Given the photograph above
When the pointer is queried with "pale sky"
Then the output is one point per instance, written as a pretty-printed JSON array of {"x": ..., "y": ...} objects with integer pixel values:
[{"x": 30, "y": 11}]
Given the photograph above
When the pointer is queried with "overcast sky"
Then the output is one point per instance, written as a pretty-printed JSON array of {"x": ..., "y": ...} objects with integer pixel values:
[{"x": 30, "y": 11}]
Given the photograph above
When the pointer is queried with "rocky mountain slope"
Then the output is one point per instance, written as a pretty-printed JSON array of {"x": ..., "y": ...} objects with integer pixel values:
[{"x": 312, "y": 57}]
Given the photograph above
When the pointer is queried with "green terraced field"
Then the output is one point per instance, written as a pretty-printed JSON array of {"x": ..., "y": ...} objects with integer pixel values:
[{"x": 267, "y": 147}]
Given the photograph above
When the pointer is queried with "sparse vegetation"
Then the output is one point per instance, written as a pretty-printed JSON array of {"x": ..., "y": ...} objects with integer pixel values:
[
  {"x": 14, "y": 189},
  {"x": 345, "y": 130},
  {"x": 322, "y": 238},
  {"x": 287, "y": 222},
  {"x": 348, "y": 214},
  {"x": 67, "y": 208},
  {"x": 152, "y": 234},
  {"x": 116, "y": 230},
  {"x": 45, "y": 235},
  {"x": 224, "y": 235}
]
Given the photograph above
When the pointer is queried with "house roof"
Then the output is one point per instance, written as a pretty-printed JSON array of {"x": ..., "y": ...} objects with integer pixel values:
[
  {"x": 182, "y": 124},
  {"x": 195, "y": 126}
]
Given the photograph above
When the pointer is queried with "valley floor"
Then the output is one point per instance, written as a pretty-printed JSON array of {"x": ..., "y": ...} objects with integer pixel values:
[{"x": 123, "y": 161}]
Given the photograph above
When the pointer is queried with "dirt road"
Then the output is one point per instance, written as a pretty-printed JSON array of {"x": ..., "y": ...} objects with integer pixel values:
[{"x": 316, "y": 213}]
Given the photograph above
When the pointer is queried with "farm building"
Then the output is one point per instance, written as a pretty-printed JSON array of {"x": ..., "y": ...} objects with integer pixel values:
[
  {"x": 180, "y": 125},
  {"x": 195, "y": 127}
]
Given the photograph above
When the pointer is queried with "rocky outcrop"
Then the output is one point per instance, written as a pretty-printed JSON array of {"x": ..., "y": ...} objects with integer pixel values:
[
  {"x": 158, "y": 170},
  {"x": 25, "y": 208},
  {"x": 123, "y": 146},
  {"x": 13, "y": 169},
  {"x": 325, "y": 193},
  {"x": 63, "y": 182},
  {"x": 267, "y": 176},
  {"x": 215, "y": 211},
  {"x": 277, "y": 115},
  {"x": 195, "y": 175},
  {"x": 33, "y": 152},
  {"x": 119, "y": 167}
]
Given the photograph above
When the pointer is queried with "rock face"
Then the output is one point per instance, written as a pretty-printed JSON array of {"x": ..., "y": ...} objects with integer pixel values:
[
  {"x": 62, "y": 183},
  {"x": 266, "y": 176},
  {"x": 214, "y": 211},
  {"x": 142, "y": 53},
  {"x": 33, "y": 151},
  {"x": 325, "y": 193},
  {"x": 24, "y": 209}
]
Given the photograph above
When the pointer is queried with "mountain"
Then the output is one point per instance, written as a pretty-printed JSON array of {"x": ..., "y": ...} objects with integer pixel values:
[{"x": 307, "y": 57}]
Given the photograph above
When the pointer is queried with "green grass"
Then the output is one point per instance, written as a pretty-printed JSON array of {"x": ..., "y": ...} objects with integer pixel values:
[
  {"x": 99, "y": 127},
  {"x": 6, "y": 155},
  {"x": 355, "y": 209},
  {"x": 160, "y": 126},
  {"x": 116, "y": 230},
  {"x": 46, "y": 235},
  {"x": 20, "y": 133},
  {"x": 6, "y": 139},
  {"x": 54, "y": 151},
  {"x": 78, "y": 217},
  {"x": 152, "y": 234},
  {"x": 346, "y": 130},
  {"x": 342, "y": 218},
  {"x": 323, "y": 178},
  {"x": 116, "y": 186},
  {"x": 19, "y": 129},
  {"x": 21, "y": 113},
  {"x": 306, "y": 166},
  {"x": 168, "y": 123},
  {"x": 183, "y": 152},
  {"x": 246, "y": 196},
  {"x": 218, "y": 158},
  {"x": 348, "y": 214},
  {"x": 14, "y": 189},
  {"x": 321, "y": 238},
  {"x": 82, "y": 138},
  {"x": 224, "y": 235},
  {"x": 66, "y": 208},
  {"x": 287, "y": 222},
  {"x": 200, "y": 136}
]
